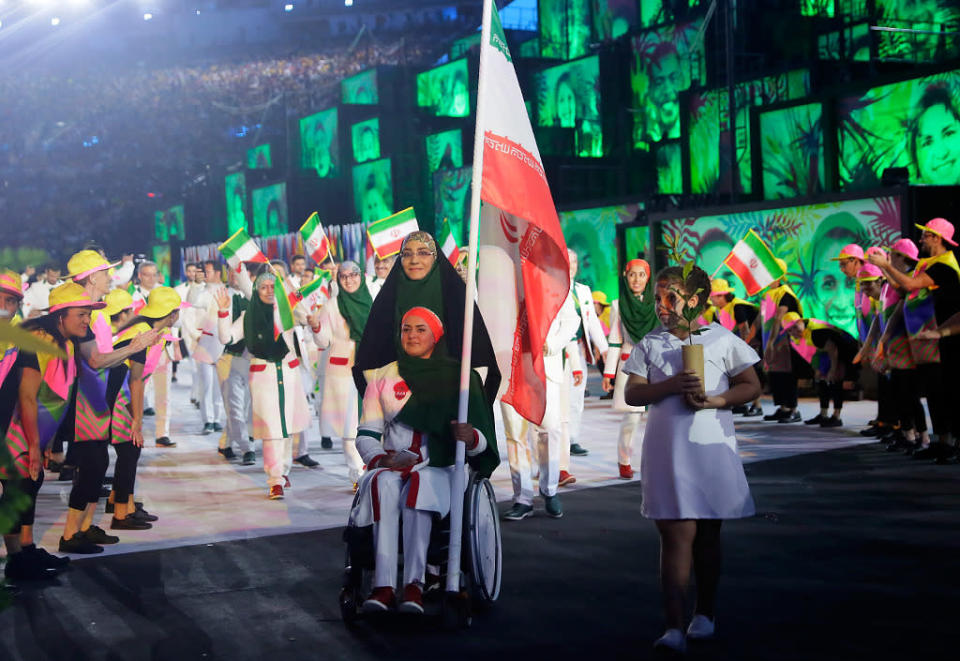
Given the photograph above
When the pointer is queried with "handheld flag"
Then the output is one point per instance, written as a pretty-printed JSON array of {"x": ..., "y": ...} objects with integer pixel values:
[
  {"x": 387, "y": 235},
  {"x": 315, "y": 240},
  {"x": 283, "y": 307},
  {"x": 241, "y": 248},
  {"x": 753, "y": 262},
  {"x": 448, "y": 245}
]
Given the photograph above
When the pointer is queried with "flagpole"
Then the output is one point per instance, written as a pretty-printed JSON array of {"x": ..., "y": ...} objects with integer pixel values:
[{"x": 457, "y": 488}]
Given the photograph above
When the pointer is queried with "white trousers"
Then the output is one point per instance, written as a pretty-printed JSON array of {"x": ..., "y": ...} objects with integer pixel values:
[
  {"x": 628, "y": 428},
  {"x": 301, "y": 440},
  {"x": 571, "y": 429},
  {"x": 547, "y": 442},
  {"x": 195, "y": 385},
  {"x": 353, "y": 459},
  {"x": 392, "y": 492},
  {"x": 160, "y": 380},
  {"x": 277, "y": 459},
  {"x": 233, "y": 373},
  {"x": 211, "y": 404}
]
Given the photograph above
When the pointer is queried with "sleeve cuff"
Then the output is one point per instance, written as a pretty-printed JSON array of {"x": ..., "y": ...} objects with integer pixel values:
[
  {"x": 373, "y": 463},
  {"x": 223, "y": 314}
]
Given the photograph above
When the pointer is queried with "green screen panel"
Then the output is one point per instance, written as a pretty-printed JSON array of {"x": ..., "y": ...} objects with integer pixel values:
[
  {"x": 658, "y": 12},
  {"x": 259, "y": 158},
  {"x": 791, "y": 151},
  {"x": 360, "y": 89},
  {"x": 709, "y": 128},
  {"x": 445, "y": 90},
  {"x": 174, "y": 221},
  {"x": 270, "y": 210},
  {"x": 917, "y": 24},
  {"x": 851, "y": 43},
  {"x": 160, "y": 229},
  {"x": 818, "y": 8},
  {"x": 462, "y": 45},
  {"x": 666, "y": 61},
  {"x": 806, "y": 237},
  {"x": 636, "y": 242},
  {"x": 613, "y": 18},
  {"x": 235, "y": 191},
  {"x": 669, "y": 169},
  {"x": 913, "y": 124},
  {"x": 568, "y": 96},
  {"x": 451, "y": 197},
  {"x": 319, "y": 147},
  {"x": 444, "y": 150},
  {"x": 161, "y": 257},
  {"x": 529, "y": 48},
  {"x": 373, "y": 190},
  {"x": 564, "y": 28},
  {"x": 365, "y": 137},
  {"x": 592, "y": 234}
]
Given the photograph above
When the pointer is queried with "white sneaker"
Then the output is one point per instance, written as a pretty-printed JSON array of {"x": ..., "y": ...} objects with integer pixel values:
[
  {"x": 701, "y": 628},
  {"x": 672, "y": 639}
]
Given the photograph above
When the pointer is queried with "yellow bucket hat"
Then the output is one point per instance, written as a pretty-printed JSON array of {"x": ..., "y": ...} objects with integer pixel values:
[
  {"x": 600, "y": 297},
  {"x": 117, "y": 301},
  {"x": 11, "y": 283},
  {"x": 72, "y": 295},
  {"x": 86, "y": 262},
  {"x": 789, "y": 319},
  {"x": 161, "y": 302},
  {"x": 720, "y": 286}
]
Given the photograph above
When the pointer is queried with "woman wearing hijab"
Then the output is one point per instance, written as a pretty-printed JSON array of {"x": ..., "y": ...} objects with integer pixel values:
[
  {"x": 280, "y": 407},
  {"x": 422, "y": 279},
  {"x": 632, "y": 316},
  {"x": 337, "y": 327},
  {"x": 407, "y": 439}
]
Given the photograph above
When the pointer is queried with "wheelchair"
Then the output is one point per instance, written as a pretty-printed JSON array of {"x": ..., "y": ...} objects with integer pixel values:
[{"x": 480, "y": 560}]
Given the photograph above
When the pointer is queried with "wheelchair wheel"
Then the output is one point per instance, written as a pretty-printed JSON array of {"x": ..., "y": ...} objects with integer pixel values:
[{"x": 482, "y": 541}]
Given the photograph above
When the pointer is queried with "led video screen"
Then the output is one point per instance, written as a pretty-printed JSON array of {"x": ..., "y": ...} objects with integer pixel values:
[
  {"x": 529, "y": 48},
  {"x": 658, "y": 12},
  {"x": 259, "y": 158},
  {"x": 168, "y": 224},
  {"x": 818, "y": 8},
  {"x": 445, "y": 90},
  {"x": 319, "y": 147},
  {"x": 464, "y": 44},
  {"x": 365, "y": 137},
  {"x": 613, "y": 18},
  {"x": 709, "y": 129},
  {"x": 161, "y": 257},
  {"x": 564, "y": 28},
  {"x": 791, "y": 151},
  {"x": 806, "y": 237},
  {"x": 851, "y": 43},
  {"x": 235, "y": 191},
  {"x": 636, "y": 243},
  {"x": 592, "y": 234},
  {"x": 923, "y": 30},
  {"x": 444, "y": 150},
  {"x": 270, "y": 210},
  {"x": 669, "y": 168},
  {"x": 373, "y": 190},
  {"x": 913, "y": 124},
  {"x": 568, "y": 96},
  {"x": 360, "y": 89},
  {"x": 451, "y": 200},
  {"x": 666, "y": 61}
]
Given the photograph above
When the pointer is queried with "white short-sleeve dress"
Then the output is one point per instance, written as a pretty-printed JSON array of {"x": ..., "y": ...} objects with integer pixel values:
[{"x": 690, "y": 468}]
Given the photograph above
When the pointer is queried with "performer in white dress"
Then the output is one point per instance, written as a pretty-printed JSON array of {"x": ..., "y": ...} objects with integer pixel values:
[
  {"x": 280, "y": 408},
  {"x": 631, "y": 318},
  {"x": 337, "y": 328},
  {"x": 407, "y": 440},
  {"x": 691, "y": 474}
]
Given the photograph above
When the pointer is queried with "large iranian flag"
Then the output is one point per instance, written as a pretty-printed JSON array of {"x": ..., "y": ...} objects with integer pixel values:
[
  {"x": 524, "y": 275},
  {"x": 315, "y": 240},
  {"x": 753, "y": 262},
  {"x": 387, "y": 235},
  {"x": 241, "y": 248}
]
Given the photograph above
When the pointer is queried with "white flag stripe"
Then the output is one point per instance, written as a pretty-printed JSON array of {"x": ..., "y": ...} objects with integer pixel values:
[{"x": 746, "y": 255}]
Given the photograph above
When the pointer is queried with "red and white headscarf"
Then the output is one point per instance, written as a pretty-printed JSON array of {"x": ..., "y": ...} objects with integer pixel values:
[{"x": 429, "y": 317}]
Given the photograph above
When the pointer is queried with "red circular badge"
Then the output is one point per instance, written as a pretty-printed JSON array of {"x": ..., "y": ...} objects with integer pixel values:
[{"x": 400, "y": 390}]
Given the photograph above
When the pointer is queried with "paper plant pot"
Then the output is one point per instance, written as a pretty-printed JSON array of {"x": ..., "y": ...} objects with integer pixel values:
[{"x": 693, "y": 359}]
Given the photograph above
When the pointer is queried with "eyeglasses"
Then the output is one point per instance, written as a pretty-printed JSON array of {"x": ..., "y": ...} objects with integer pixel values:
[
  {"x": 352, "y": 274},
  {"x": 422, "y": 254}
]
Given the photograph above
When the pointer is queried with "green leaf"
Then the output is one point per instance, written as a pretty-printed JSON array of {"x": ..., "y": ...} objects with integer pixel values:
[{"x": 687, "y": 269}]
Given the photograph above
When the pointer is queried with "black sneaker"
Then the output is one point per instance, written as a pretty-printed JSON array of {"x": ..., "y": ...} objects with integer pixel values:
[
  {"x": 54, "y": 466},
  {"x": 149, "y": 411},
  {"x": 578, "y": 450},
  {"x": 791, "y": 417},
  {"x": 67, "y": 473},
  {"x": 832, "y": 421},
  {"x": 98, "y": 535},
  {"x": 129, "y": 523},
  {"x": 737, "y": 410},
  {"x": 109, "y": 507},
  {"x": 307, "y": 461},
  {"x": 217, "y": 426},
  {"x": 228, "y": 453},
  {"x": 753, "y": 412},
  {"x": 79, "y": 544},
  {"x": 143, "y": 515},
  {"x": 326, "y": 443},
  {"x": 816, "y": 420},
  {"x": 776, "y": 416},
  {"x": 24, "y": 566},
  {"x": 932, "y": 451},
  {"x": 872, "y": 430},
  {"x": 249, "y": 458},
  {"x": 207, "y": 429},
  {"x": 46, "y": 558},
  {"x": 165, "y": 442},
  {"x": 518, "y": 512},
  {"x": 552, "y": 506}
]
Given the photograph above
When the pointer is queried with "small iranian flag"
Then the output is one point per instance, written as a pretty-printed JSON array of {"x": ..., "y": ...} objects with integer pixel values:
[
  {"x": 388, "y": 234},
  {"x": 752, "y": 262},
  {"x": 283, "y": 307},
  {"x": 448, "y": 245},
  {"x": 315, "y": 240},
  {"x": 241, "y": 248},
  {"x": 319, "y": 283}
]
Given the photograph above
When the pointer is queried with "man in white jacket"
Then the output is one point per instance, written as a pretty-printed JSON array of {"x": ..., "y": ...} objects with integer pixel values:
[{"x": 36, "y": 298}]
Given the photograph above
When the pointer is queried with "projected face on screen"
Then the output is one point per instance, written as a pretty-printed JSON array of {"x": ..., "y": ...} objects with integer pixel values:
[
  {"x": 669, "y": 169},
  {"x": 366, "y": 140},
  {"x": 360, "y": 89},
  {"x": 592, "y": 234},
  {"x": 564, "y": 28},
  {"x": 445, "y": 90},
  {"x": 318, "y": 143},
  {"x": 373, "y": 190},
  {"x": 568, "y": 97},
  {"x": 235, "y": 190},
  {"x": 160, "y": 231},
  {"x": 919, "y": 22},
  {"x": 444, "y": 150},
  {"x": 872, "y": 138},
  {"x": 451, "y": 195},
  {"x": 806, "y": 237},
  {"x": 175, "y": 226},
  {"x": 259, "y": 158},
  {"x": 270, "y": 210},
  {"x": 791, "y": 151},
  {"x": 613, "y": 18}
]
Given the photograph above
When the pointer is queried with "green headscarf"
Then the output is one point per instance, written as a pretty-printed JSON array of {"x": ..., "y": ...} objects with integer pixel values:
[
  {"x": 434, "y": 384},
  {"x": 355, "y": 307},
  {"x": 258, "y": 326},
  {"x": 638, "y": 317},
  {"x": 427, "y": 292}
]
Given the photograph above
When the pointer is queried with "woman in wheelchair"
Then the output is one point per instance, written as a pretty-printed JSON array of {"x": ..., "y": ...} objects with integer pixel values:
[{"x": 407, "y": 440}]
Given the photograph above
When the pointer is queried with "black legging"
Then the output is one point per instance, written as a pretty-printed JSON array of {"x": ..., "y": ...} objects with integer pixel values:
[
  {"x": 887, "y": 408},
  {"x": 91, "y": 461},
  {"x": 930, "y": 377},
  {"x": 830, "y": 391},
  {"x": 125, "y": 470},
  {"x": 906, "y": 387},
  {"x": 783, "y": 387},
  {"x": 29, "y": 487}
]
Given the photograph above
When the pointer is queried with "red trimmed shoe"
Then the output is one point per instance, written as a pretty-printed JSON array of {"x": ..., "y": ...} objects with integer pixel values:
[
  {"x": 626, "y": 473},
  {"x": 412, "y": 601},
  {"x": 276, "y": 492},
  {"x": 565, "y": 479},
  {"x": 286, "y": 482},
  {"x": 380, "y": 600}
]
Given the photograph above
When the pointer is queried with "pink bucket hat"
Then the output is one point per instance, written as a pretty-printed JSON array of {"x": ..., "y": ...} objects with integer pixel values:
[
  {"x": 869, "y": 272},
  {"x": 850, "y": 251},
  {"x": 942, "y": 228},
  {"x": 907, "y": 248}
]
